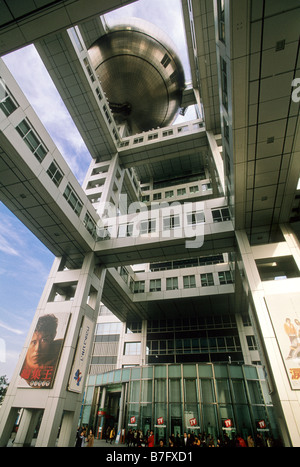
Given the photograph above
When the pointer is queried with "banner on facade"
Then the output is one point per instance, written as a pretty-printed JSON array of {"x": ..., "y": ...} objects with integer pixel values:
[
  {"x": 81, "y": 360},
  {"x": 42, "y": 357},
  {"x": 284, "y": 311}
]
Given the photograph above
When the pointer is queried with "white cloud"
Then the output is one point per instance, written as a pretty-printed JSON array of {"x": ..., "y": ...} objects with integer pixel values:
[
  {"x": 11, "y": 329},
  {"x": 9, "y": 237}
]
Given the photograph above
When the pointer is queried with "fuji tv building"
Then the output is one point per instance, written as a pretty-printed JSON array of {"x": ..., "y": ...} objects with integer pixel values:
[{"x": 173, "y": 302}]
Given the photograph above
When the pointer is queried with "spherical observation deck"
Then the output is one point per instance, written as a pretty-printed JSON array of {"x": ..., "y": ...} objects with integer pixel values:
[{"x": 140, "y": 73}]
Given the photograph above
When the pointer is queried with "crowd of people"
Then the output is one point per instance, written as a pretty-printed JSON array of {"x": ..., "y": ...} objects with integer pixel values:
[
  {"x": 136, "y": 438},
  {"x": 84, "y": 438}
]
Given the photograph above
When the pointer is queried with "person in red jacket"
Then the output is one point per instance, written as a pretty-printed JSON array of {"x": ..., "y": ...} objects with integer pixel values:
[
  {"x": 241, "y": 442},
  {"x": 151, "y": 440}
]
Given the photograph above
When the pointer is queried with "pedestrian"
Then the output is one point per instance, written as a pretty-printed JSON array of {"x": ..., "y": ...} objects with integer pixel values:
[
  {"x": 107, "y": 433},
  {"x": 128, "y": 437},
  {"x": 78, "y": 438},
  {"x": 185, "y": 441},
  {"x": 151, "y": 440},
  {"x": 250, "y": 442},
  {"x": 241, "y": 442},
  {"x": 90, "y": 439},
  {"x": 112, "y": 435},
  {"x": 177, "y": 440}
]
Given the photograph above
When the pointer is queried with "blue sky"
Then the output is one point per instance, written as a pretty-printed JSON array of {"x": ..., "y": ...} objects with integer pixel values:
[{"x": 24, "y": 261}]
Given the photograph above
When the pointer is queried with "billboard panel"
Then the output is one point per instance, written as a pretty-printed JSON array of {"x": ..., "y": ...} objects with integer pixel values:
[
  {"x": 42, "y": 357},
  {"x": 81, "y": 361},
  {"x": 284, "y": 311}
]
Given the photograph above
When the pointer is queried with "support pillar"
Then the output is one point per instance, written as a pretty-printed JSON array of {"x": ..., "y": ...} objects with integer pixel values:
[
  {"x": 27, "y": 427},
  {"x": 102, "y": 405},
  {"x": 121, "y": 412},
  {"x": 79, "y": 292},
  {"x": 8, "y": 425},
  {"x": 272, "y": 301}
]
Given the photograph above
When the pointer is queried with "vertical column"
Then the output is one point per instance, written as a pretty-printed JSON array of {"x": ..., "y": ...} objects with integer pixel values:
[
  {"x": 121, "y": 412},
  {"x": 69, "y": 307},
  {"x": 271, "y": 302},
  {"x": 102, "y": 405},
  {"x": 103, "y": 183},
  {"x": 27, "y": 427},
  {"x": 69, "y": 384},
  {"x": 8, "y": 420}
]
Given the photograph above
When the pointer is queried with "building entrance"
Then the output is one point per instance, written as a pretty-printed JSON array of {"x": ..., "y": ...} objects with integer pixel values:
[{"x": 112, "y": 408}]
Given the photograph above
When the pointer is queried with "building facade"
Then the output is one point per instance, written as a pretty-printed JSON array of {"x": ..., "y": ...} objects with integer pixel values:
[{"x": 174, "y": 296}]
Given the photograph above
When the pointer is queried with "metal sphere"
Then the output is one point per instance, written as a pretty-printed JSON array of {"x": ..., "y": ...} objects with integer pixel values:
[{"x": 140, "y": 73}]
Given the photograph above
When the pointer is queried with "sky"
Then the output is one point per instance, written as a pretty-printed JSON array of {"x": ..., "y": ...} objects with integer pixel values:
[{"x": 24, "y": 261}]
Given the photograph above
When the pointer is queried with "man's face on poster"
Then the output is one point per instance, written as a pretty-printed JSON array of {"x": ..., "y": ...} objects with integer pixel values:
[{"x": 39, "y": 349}]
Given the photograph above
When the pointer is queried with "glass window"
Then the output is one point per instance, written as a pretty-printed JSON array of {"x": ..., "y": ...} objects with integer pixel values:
[
  {"x": 226, "y": 413},
  {"x": 224, "y": 83},
  {"x": 207, "y": 279},
  {"x": 239, "y": 391},
  {"x": 172, "y": 283},
  {"x": 90, "y": 225},
  {"x": 174, "y": 371},
  {"x": 166, "y": 60},
  {"x": 155, "y": 285},
  {"x": 181, "y": 191},
  {"x": 125, "y": 230},
  {"x": 147, "y": 372},
  {"x": 225, "y": 277},
  {"x": 210, "y": 423},
  {"x": 147, "y": 226},
  {"x": 73, "y": 200},
  {"x": 32, "y": 140},
  {"x": 205, "y": 370},
  {"x": 132, "y": 348},
  {"x": 174, "y": 390},
  {"x": 255, "y": 392},
  {"x": 108, "y": 328},
  {"x": 133, "y": 416},
  {"x": 221, "y": 18},
  {"x": 146, "y": 417},
  {"x": 189, "y": 282},
  {"x": 207, "y": 390},
  {"x": 8, "y": 104},
  {"x": 221, "y": 215},
  {"x": 194, "y": 218},
  {"x": 251, "y": 342},
  {"x": 160, "y": 390},
  {"x": 160, "y": 372},
  {"x": 139, "y": 287},
  {"x": 190, "y": 391},
  {"x": 171, "y": 222},
  {"x": 223, "y": 391},
  {"x": 55, "y": 173},
  {"x": 156, "y": 196},
  {"x": 169, "y": 194},
  {"x": 194, "y": 189},
  {"x": 259, "y": 413},
  {"x": 134, "y": 327}
]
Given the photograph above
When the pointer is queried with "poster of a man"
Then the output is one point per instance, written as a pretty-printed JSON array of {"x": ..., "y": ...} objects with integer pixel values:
[{"x": 42, "y": 357}]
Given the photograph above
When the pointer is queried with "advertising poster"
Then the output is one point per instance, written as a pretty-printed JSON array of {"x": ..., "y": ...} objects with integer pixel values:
[
  {"x": 81, "y": 360},
  {"x": 42, "y": 357},
  {"x": 284, "y": 311}
]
